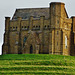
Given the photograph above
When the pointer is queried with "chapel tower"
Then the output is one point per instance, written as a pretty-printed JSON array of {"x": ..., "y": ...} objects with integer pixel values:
[{"x": 57, "y": 35}]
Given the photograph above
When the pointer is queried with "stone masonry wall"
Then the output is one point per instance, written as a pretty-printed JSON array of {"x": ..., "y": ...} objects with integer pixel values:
[{"x": 53, "y": 33}]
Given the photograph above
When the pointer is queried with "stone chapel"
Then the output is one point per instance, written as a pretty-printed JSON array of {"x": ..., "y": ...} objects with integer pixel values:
[{"x": 40, "y": 31}]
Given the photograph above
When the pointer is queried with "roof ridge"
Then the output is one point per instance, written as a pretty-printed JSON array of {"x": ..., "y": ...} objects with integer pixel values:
[{"x": 31, "y": 8}]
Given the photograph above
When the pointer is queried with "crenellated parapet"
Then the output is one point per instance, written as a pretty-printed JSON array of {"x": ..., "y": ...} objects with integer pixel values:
[{"x": 30, "y": 24}]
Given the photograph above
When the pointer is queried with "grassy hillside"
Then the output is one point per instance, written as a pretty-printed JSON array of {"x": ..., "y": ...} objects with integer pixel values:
[{"x": 37, "y": 64}]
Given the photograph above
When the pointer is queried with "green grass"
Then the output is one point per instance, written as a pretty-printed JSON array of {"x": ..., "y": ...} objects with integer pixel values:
[{"x": 37, "y": 64}]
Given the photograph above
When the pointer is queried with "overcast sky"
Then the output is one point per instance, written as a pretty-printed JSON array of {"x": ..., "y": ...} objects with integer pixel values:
[{"x": 8, "y": 7}]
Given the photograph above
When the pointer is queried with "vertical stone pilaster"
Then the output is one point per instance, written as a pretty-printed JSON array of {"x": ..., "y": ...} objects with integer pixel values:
[
  {"x": 56, "y": 21},
  {"x": 42, "y": 34},
  {"x": 42, "y": 22},
  {"x": 52, "y": 42},
  {"x": 7, "y": 23},
  {"x": 72, "y": 51},
  {"x": 41, "y": 45},
  {"x": 18, "y": 37},
  {"x": 19, "y": 23},
  {"x": 5, "y": 47},
  {"x": 63, "y": 42},
  {"x": 31, "y": 22}
]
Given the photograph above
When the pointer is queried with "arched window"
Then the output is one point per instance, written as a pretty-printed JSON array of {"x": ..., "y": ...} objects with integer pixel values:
[
  {"x": 25, "y": 38},
  {"x": 65, "y": 41}
]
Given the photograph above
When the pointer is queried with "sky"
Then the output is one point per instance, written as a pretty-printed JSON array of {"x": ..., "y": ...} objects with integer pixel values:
[{"x": 8, "y": 7}]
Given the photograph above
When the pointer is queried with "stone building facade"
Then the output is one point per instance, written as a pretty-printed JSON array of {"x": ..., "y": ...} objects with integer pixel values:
[{"x": 40, "y": 31}]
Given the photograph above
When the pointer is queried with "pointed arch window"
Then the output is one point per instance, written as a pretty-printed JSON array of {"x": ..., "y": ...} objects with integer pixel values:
[
  {"x": 25, "y": 38},
  {"x": 65, "y": 41}
]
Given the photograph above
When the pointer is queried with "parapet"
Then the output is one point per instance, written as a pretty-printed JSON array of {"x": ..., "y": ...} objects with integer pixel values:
[
  {"x": 72, "y": 16},
  {"x": 57, "y": 3},
  {"x": 7, "y": 18}
]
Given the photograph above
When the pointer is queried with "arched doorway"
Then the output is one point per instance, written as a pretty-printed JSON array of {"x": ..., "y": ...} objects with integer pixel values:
[{"x": 31, "y": 49}]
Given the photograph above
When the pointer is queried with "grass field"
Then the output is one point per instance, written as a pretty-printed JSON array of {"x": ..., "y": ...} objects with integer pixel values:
[{"x": 37, "y": 64}]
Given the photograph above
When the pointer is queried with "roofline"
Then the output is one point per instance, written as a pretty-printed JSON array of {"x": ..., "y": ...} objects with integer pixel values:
[
  {"x": 66, "y": 13},
  {"x": 32, "y": 8},
  {"x": 57, "y": 3}
]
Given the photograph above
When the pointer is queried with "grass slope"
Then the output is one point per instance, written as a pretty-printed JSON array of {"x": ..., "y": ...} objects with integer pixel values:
[{"x": 37, "y": 64}]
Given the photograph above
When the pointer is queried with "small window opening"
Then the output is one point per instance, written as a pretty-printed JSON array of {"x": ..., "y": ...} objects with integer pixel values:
[
  {"x": 13, "y": 27},
  {"x": 16, "y": 27},
  {"x": 45, "y": 25},
  {"x": 48, "y": 26},
  {"x": 25, "y": 27},
  {"x": 22, "y": 26},
  {"x": 28, "y": 27},
  {"x": 57, "y": 43},
  {"x": 33, "y": 26},
  {"x": 39, "y": 26}
]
